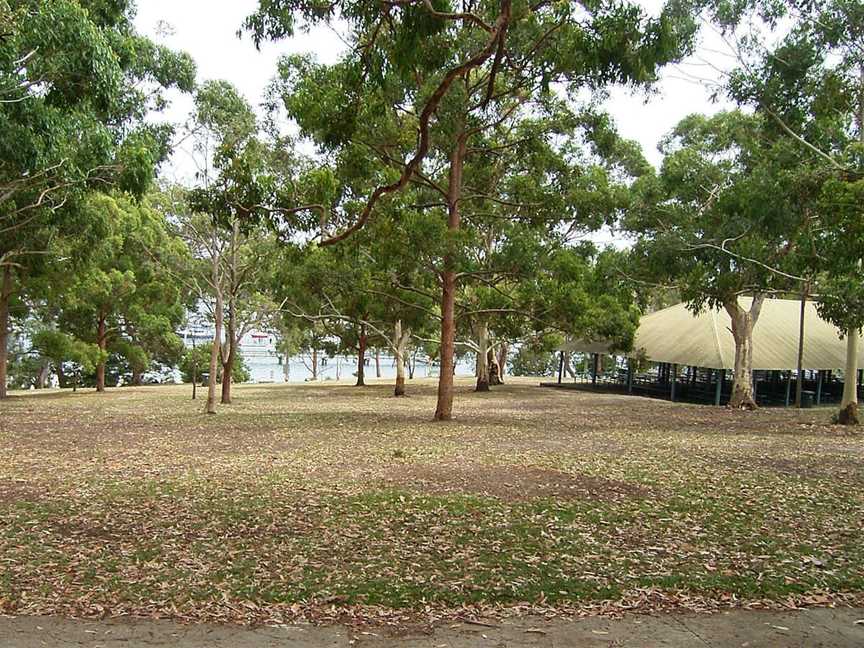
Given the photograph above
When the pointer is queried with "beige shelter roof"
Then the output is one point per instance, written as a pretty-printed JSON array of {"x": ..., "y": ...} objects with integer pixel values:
[{"x": 677, "y": 336}]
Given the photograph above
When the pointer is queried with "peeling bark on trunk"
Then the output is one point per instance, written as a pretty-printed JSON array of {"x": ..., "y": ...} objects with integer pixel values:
[
  {"x": 231, "y": 357},
  {"x": 102, "y": 343},
  {"x": 42, "y": 377},
  {"x": 228, "y": 358},
  {"x": 743, "y": 322},
  {"x": 848, "y": 414},
  {"x": 214, "y": 358},
  {"x": 482, "y": 357},
  {"x": 215, "y": 351},
  {"x": 444, "y": 409},
  {"x": 494, "y": 378},
  {"x": 400, "y": 341},
  {"x": 361, "y": 358},
  {"x": 503, "y": 350},
  {"x": 5, "y": 297}
]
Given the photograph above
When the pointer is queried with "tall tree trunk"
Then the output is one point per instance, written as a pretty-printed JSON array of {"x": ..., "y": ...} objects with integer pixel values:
[
  {"x": 61, "y": 375},
  {"x": 314, "y": 364},
  {"x": 412, "y": 364},
  {"x": 102, "y": 343},
  {"x": 503, "y": 351},
  {"x": 848, "y": 414},
  {"x": 400, "y": 342},
  {"x": 5, "y": 297},
  {"x": 444, "y": 409},
  {"x": 361, "y": 357},
  {"x": 743, "y": 322},
  {"x": 215, "y": 350},
  {"x": 42, "y": 376},
  {"x": 215, "y": 353},
  {"x": 229, "y": 359},
  {"x": 377, "y": 362},
  {"x": 137, "y": 377},
  {"x": 482, "y": 356},
  {"x": 231, "y": 334}
]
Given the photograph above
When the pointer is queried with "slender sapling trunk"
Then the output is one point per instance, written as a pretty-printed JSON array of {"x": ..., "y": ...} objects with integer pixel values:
[
  {"x": 102, "y": 343},
  {"x": 361, "y": 358},
  {"x": 5, "y": 297}
]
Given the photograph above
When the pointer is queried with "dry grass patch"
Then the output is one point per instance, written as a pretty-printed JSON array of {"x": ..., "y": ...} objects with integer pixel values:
[{"x": 318, "y": 501}]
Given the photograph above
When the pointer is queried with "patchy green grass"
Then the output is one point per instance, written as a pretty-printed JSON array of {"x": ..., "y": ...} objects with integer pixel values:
[{"x": 329, "y": 500}]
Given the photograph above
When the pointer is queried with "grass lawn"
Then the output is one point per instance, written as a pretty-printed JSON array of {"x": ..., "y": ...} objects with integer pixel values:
[{"x": 327, "y": 501}]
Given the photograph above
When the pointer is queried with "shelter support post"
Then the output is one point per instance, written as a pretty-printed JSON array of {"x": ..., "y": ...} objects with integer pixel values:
[
  {"x": 629, "y": 375},
  {"x": 799, "y": 382},
  {"x": 673, "y": 378},
  {"x": 718, "y": 390},
  {"x": 788, "y": 389},
  {"x": 819, "y": 387}
]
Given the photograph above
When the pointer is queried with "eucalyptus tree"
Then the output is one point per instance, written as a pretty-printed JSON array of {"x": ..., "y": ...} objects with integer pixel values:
[
  {"x": 240, "y": 183},
  {"x": 64, "y": 349},
  {"x": 124, "y": 299},
  {"x": 420, "y": 84},
  {"x": 584, "y": 293},
  {"x": 808, "y": 82},
  {"x": 75, "y": 85},
  {"x": 723, "y": 219}
]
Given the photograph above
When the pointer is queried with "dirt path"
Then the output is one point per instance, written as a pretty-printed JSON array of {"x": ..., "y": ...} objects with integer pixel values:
[{"x": 839, "y": 628}]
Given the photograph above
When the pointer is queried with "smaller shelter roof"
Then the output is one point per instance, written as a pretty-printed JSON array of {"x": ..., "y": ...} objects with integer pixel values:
[{"x": 677, "y": 336}]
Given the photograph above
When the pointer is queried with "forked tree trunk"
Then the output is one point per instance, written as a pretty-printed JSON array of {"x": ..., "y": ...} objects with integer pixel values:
[
  {"x": 231, "y": 333},
  {"x": 229, "y": 359},
  {"x": 361, "y": 358},
  {"x": 412, "y": 365},
  {"x": 102, "y": 343},
  {"x": 215, "y": 349},
  {"x": 444, "y": 409},
  {"x": 5, "y": 297},
  {"x": 482, "y": 356},
  {"x": 215, "y": 353},
  {"x": 848, "y": 414},
  {"x": 400, "y": 342},
  {"x": 743, "y": 322}
]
